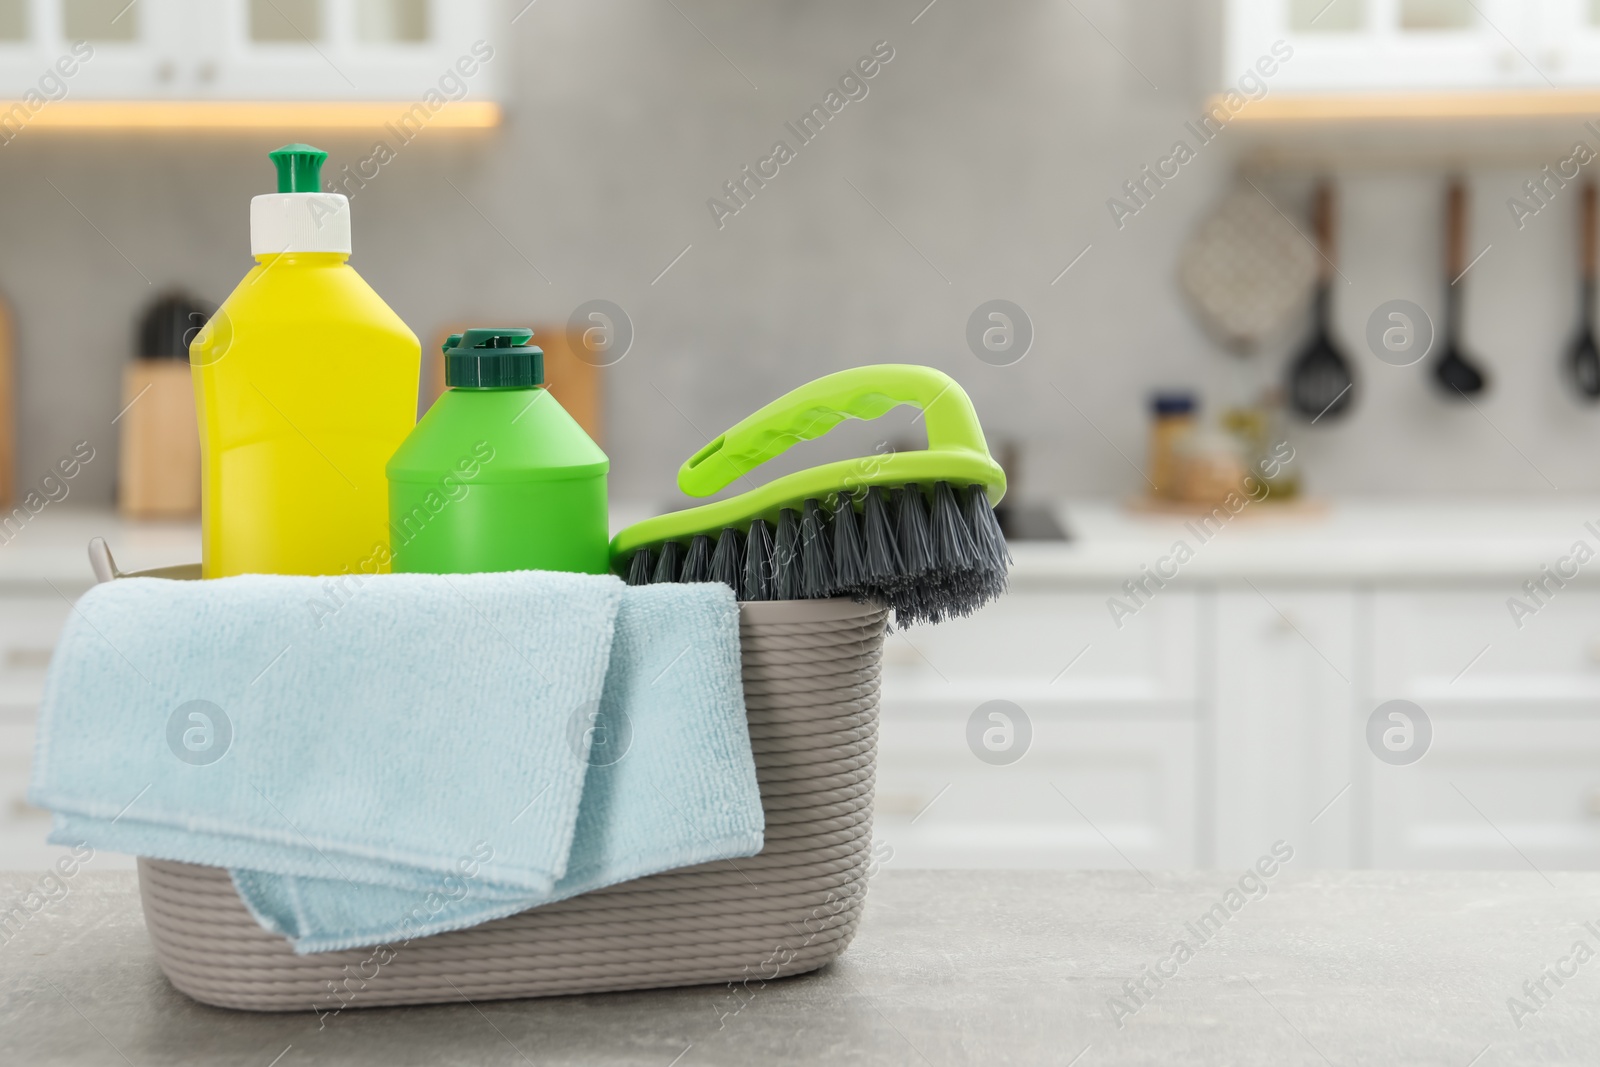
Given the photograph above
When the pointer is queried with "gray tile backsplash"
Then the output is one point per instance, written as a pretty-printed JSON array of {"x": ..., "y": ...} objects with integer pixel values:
[{"x": 977, "y": 165}]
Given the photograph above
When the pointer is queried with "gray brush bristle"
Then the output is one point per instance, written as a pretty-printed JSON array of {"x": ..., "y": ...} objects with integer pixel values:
[
  {"x": 955, "y": 559},
  {"x": 641, "y": 567},
  {"x": 987, "y": 539},
  {"x": 911, "y": 531},
  {"x": 786, "y": 557},
  {"x": 952, "y": 541},
  {"x": 849, "y": 555},
  {"x": 727, "y": 561},
  {"x": 697, "y": 563},
  {"x": 877, "y": 523},
  {"x": 758, "y": 563},
  {"x": 669, "y": 565},
  {"x": 928, "y": 562},
  {"x": 816, "y": 556}
]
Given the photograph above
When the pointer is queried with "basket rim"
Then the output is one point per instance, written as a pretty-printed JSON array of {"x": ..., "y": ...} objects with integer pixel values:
[{"x": 832, "y": 609}]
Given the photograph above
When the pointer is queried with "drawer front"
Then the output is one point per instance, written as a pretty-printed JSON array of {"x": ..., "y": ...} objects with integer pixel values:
[
  {"x": 1131, "y": 778},
  {"x": 1467, "y": 646},
  {"x": 23, "y": 828},
  {"x": 29, "y": 627},
  {"x": 1052, "y": 645},
  {"x": 1493, "y": 792}
]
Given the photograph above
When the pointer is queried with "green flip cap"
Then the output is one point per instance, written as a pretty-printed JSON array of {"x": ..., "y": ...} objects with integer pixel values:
[
  {"x": 493, "y": 359},
  {"x": 299, "y": 168}
]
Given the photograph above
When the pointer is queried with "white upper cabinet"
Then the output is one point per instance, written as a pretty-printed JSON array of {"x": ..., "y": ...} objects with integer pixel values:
[
  {"x": 328, "y": 50},
  {"x": 347, "y": 49},
  {"x": 1569, "y": 45},
  {"x": 1418, "y": 45}
]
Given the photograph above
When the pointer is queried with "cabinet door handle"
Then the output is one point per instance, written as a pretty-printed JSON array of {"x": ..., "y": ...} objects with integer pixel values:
[
  {"x": 20, "y": 658},
  {"x": 900, "y": 655},
  {"x": 19, "y": 808}
]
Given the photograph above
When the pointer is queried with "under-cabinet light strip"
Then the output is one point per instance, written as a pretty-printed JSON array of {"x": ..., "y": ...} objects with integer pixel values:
[{"x": 1400, "y": 106}]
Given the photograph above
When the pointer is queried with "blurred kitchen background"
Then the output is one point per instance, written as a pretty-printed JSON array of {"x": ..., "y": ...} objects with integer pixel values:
[{"x": 1014, "y": 151}]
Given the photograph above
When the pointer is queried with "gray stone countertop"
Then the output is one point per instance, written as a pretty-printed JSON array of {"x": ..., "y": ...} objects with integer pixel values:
[{"x": 950, "y": 967}]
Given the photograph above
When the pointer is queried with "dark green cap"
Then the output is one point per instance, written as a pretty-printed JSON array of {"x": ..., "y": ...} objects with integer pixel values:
[
  {"x": 299, "y": 168},
  {"x": 493, "y": 359}
]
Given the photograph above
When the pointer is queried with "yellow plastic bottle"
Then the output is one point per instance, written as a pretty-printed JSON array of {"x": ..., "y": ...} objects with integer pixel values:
[{"x": 305, "y": 382}]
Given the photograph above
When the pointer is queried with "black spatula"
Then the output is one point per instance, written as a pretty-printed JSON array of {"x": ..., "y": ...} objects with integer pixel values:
[
  {"x": 1459, "y": 377},
  {"x": 1320, "y": 383},
  {"x": 1583, "y": 359}
]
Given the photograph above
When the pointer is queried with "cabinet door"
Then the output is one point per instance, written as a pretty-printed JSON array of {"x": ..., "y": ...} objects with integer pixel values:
[
  {"x": 1050, "y": 645},
  {"x": 420, "y": 52},
  {"x": 1512, "y": 773},
  {"x": 1104, "y": 716},
  {"x": 1386, "y": 44},
  {"x": 1091, "y": 792},
  {"x": 1468, "y": 648},
  {"x": 1285, "y": 735},
  {"x": 413, "y": 52},
  {"x": 1569, "y": 42},
  {"x": 1512, "y": 793},
  {"x": 23, "y": 827},
  {"x": 53, "y": 50},
  {"x": 29, "y": 627}
]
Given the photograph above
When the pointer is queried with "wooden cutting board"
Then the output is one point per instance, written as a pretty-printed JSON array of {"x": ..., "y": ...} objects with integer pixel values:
[
  {"x": 8, "y": 410},
  {"x": 572, "y": 381},
  {"x": 159, "y": 472}
]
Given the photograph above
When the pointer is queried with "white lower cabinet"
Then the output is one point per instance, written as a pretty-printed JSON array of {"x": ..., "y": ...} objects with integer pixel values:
[
  {"x": 1220, "y": 719},
  {"x": 1518, "y": 792},
  {"x": 1039, "y": 733},
  {"x": 23, "y": 827},
  {"x": 1111, "y": 791},
  {"x": 29, "y": 626},
  {"x": 1466, "y": 646},
  {"x": 1512, "y": 775},
  {"x": 1211, "y": 723}
]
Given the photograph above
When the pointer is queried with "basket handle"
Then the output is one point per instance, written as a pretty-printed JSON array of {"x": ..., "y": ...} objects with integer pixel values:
[{"x": 813, "y": 409}]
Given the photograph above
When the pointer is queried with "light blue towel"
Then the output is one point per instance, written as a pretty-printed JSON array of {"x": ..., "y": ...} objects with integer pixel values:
[
  {"x": 404, "y": 755},
  {"x": 671, "y": 782}
]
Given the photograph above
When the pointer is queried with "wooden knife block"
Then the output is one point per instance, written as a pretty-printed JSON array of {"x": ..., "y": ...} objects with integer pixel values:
[
  {"x": 159, "y": 472},
  {"x": 8, "y": 412},
  {"x": 572, "y": 381}
]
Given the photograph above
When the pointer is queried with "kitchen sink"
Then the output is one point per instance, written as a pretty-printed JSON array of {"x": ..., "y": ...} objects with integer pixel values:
[{"x": 1030, "y": 522}]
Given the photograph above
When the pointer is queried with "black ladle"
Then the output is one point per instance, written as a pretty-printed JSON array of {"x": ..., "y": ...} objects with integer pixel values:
[
  {"x": 1320, "y": 383},
  {"x": 1455, "y": 372},
  {"x": 1583, "y": 360}
]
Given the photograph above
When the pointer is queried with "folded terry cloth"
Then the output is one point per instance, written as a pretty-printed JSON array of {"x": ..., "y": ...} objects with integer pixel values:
[
  {"x": 670, "y": 783},
  {"x": 407, "y": 756}
]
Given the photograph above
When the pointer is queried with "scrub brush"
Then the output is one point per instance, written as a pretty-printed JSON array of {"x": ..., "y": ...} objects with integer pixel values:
[{"x": 913, "y": 530}]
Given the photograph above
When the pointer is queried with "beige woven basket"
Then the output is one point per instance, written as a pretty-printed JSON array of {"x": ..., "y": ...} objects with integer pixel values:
[{"x": 811, "y": 690}]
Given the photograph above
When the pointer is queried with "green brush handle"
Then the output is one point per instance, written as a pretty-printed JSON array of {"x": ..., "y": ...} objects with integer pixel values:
[
  {"x": 956, "y": 452},
  {"x": 813, "y": 409}
]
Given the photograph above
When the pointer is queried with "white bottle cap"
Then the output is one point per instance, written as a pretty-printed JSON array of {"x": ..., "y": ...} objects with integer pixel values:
[{"x": 299, "y": 222}]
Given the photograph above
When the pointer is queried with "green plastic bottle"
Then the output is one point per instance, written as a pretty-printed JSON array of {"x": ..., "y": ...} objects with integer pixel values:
[{"x": 497, "y": 476}]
